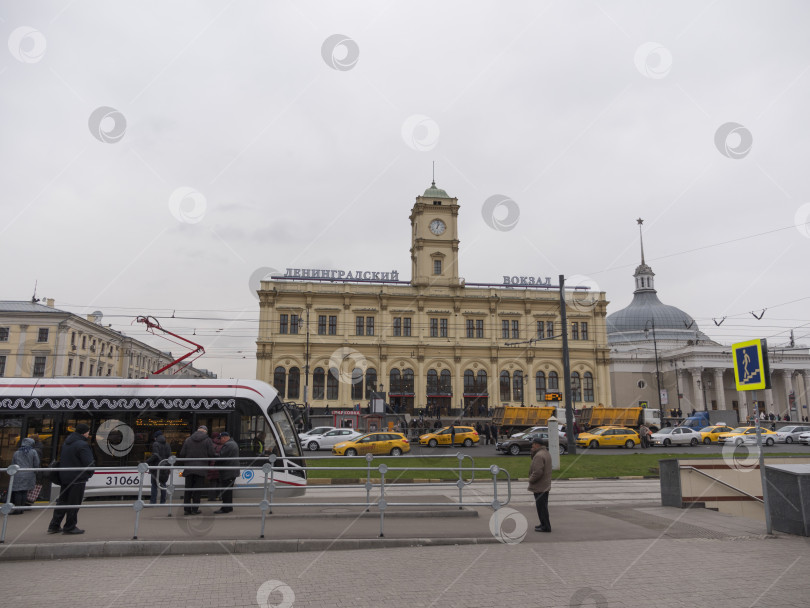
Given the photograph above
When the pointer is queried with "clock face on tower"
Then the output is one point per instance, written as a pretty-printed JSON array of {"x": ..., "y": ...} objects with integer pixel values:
[{"x": 437, "y": 227}]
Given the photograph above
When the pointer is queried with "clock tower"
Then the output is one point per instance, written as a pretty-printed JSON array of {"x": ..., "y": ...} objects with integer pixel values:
[{"x": 434, "y": 239}]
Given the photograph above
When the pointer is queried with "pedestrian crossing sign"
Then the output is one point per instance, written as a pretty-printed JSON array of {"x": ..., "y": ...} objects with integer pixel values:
[{"x": 751, "y": 369}]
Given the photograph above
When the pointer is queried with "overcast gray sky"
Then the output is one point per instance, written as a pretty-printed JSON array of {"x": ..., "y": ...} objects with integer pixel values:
[{"x": 156, "y": 155}]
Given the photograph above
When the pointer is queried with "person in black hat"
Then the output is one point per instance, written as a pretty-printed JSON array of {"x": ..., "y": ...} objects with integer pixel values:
[
  {"x": 160, "y": 455},
  {"x": 76, "y": 452},
  {"x": 228, "y": 457}
]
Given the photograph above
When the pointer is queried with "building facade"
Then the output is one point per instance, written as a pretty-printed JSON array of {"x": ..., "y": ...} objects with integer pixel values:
[
  {"x": 41, "y": 341},
  {"x": 694, "y": 372},
  {"x": 434, "y": 343}
]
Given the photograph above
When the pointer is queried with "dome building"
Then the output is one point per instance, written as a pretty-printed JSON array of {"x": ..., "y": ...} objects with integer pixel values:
[{"x": 654, "y": 345}]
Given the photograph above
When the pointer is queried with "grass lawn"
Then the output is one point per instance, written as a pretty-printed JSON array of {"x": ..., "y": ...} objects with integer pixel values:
[{"x": 620, "y": 465}]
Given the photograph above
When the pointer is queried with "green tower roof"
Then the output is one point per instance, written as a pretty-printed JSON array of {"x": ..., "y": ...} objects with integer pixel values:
[{"x": 434, "y": 192}]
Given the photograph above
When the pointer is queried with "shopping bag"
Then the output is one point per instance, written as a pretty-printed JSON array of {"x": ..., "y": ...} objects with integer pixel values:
[{"x": 33, "y": 493}]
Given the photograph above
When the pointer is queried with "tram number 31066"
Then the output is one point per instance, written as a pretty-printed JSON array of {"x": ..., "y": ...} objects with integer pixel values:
[{"x": 122, "y": 480}]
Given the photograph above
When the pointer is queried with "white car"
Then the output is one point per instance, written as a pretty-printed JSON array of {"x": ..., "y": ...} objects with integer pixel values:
[
  {"x": 804, "y": 438},
  {"x": 317, "y": 431},
  {"x": 790, "y": 434},
  {"x": 539, "y": 429},
  {"x": 329, "y": 439},
  {"x": 678, "y": 435}
]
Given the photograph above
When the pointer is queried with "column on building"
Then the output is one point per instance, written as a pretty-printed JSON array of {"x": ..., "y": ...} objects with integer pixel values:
[
  {"x": 680, "y": 383},
  {"x": 458, "y": 385},
  {"x": 769, "y": 403},
  {"x": 697, "y": 395},
  {"x": 800, "y": 411},
  {"x": 787, "y": 378},
  {"x": 21, "y": 354},
  {"x": 719, "y": 388},
  {"x": 742, "y": 398},
  {"x": 60, "y": 352}
]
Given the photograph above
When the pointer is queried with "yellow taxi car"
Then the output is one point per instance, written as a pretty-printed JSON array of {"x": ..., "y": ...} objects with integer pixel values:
[
  {"x": 465, "y": 435},
  {"x": 378, "y": 443},
  {"x": 711, "y": 434},
  {"x": 747, "y": 434},
  {"x": 605, "y": 436}
]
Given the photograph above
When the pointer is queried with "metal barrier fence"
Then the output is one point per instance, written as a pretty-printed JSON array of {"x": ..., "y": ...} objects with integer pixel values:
[{"x": 268, "y": 486}]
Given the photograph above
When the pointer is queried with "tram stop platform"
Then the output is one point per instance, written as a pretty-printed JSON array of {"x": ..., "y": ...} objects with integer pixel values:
[{"x": 409, "y": 520}]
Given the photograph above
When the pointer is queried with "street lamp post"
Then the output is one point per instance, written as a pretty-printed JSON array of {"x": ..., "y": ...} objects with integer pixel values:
[{"x": 657, "y": 372}]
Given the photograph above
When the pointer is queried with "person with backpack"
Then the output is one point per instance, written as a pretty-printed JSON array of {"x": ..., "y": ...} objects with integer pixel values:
[
  {"x": 197, "y": 446},
  {"x": 228, "y": 457},
  {"x": 76, "y": 453}
]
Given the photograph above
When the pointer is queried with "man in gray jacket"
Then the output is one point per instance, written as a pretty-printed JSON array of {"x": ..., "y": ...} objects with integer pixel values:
[
  {"x": 228, "y": 457},
  {"x": 540, "y": 481}
]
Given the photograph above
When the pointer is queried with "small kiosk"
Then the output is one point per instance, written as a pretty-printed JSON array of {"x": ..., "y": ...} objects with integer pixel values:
[{"x": 346, "y": 419}]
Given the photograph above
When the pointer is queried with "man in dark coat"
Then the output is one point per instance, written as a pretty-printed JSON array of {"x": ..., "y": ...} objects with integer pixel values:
[
  {"x": 160, "y": 454},
  {"x": 198, "y": 446},
  {"x": 76, "y": 452},
  {"x": 228, "y": 457}
]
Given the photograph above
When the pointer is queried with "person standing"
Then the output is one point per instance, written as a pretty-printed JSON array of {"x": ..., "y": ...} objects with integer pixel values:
[
  {"x": 212, "y": 474},
  {"x": 540, "y": 482},
  {"x": 487, "y": 432},
  {"x": 644, "y": 434},
  {"x": 76, "y": 452},
  {"x": 160, "y": 454},
  {"x": 452, "y": 436},
  {"x": 25, "y": 457},
  {"x": 228, "y": 457},
  {"x": 199, "y": 447}
]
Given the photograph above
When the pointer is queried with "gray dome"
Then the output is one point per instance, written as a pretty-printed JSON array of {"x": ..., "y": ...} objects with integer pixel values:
[{"x": 671, "y": 323}]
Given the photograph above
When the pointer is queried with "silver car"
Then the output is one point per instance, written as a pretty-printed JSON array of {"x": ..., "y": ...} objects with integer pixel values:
[
  {"x": 329, "y": 439},
  {"x": 790, "y": 434},
  {"x": 679, "y": 435},
  {"x": 805, "y": 438}
]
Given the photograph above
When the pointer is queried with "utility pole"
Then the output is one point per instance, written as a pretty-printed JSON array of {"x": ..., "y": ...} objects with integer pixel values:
[
  {"x": 569, "y": 408},
  {"x": 306, "y": 376}
]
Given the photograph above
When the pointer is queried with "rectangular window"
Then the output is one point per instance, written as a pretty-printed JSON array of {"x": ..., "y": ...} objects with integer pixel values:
[
  {"x": 321, "y": 325},
  {"x": 3, "y": 334},
  {"x": 397, "y": 326},
  {"x": 43, "y": 334},
  {"x": 479, "y": 328},
  {"x": 406, "y": 326},
  {"x": 434, "y": 328},
  {"x": 583, "y": 330},
  {"x": 443, "y": 328},
  {"x": 282, "y": 324},
  {"x": 81, "y": 368},
  {"x": 360, "y": 325},
  {"x": 549, "y": 329},
  {"x": 437, "y": 266},
  {"x": 369, "y": 326},
  {"x": 539, "y": 330},
  {"x": 504, "y": 329},
  {"x": 2, "y": 365},
  {"x": 295, "y": 323},
  {"x": 515, "y": 329},
  {"x": 70, "y": 367},
  {"x": 91, "y": 369},
  {"x": 470, "y": 328},
  {"x": 332, "y": 325},
  {"x": 575, "y": 331},
  {"x": 39, "y": 367}
]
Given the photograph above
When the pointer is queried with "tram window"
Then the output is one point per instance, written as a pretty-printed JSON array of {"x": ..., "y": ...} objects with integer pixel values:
[{"x": 256, "y": 438}]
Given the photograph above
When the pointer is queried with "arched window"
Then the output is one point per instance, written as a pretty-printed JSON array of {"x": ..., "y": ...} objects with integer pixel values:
[
  {"x": 553, "y": 381},
  {"x": 505, "y": 386},
  {"x": 587, "y": 386},
  {"x": 280, "y": 381},
  {"x": 294, "y": 383},
  {"x": 469, "y": 381},
  {"x": 517, "y": 385},
  {"x": 371, "y": 381},
  {"x": 357, "y": 384},
  {"x": 318, "y": 383},
  {"x": 407, "y": 381},
  {"x": 432, "y": 382},
  {"x": 332, "y": 383},
  {"x": 540, "y": 386},
  {"x": 445, "y": 383},
  {"x": 481, "y": 383},
  {"x": 576, "y": 387},
  {"x": 395, "y": 382}
]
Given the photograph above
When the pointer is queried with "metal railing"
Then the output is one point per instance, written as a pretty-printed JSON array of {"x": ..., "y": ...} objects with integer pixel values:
[{"x": 464, "y": 477}]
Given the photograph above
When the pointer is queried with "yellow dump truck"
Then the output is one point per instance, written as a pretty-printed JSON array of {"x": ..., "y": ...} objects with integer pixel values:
[
  {"x": 522, "y": 417},
  {"x": 632, "y": 417}
]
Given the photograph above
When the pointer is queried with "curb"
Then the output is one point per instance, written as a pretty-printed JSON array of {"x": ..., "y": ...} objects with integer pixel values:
[
  {"x": 189, "y": 547},
  {"x": 327, "y": 481}
]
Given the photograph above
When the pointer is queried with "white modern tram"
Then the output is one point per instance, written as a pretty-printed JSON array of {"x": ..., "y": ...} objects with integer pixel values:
[{"x": 124, "y": 415}]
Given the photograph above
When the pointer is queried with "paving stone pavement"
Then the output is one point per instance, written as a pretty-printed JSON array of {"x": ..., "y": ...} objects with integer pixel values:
[{"x": 644, "y": 572}]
